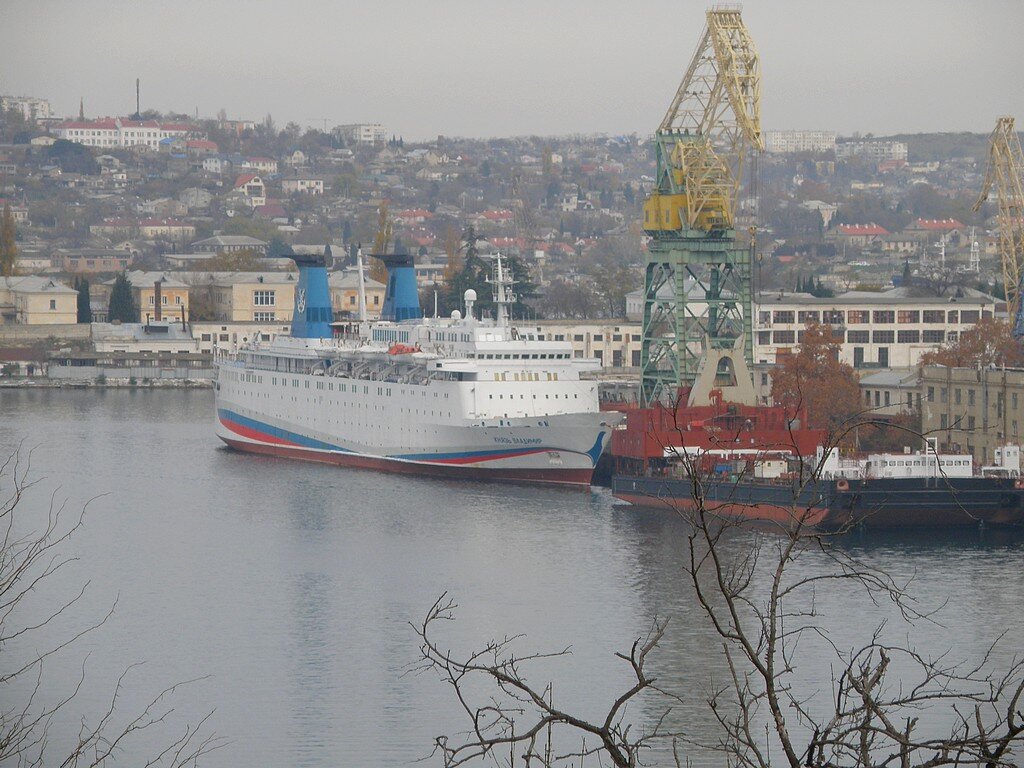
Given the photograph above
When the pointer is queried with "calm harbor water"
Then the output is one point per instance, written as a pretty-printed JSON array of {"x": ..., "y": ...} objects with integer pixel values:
[{"x": 289, "y": 587}]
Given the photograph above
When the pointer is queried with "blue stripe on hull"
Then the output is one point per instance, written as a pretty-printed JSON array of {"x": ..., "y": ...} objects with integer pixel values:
[{"x": 454, "y": 457}]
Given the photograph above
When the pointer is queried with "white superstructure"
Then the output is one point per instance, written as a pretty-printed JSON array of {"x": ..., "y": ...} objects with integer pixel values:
[{"x": 458, "y": 396}]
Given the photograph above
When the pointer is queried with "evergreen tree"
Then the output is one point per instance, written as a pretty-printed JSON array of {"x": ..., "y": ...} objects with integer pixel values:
[
  {"x": 346, "y": 232},
  {"x": 84, "y": 308},
  {"x": 8, "y": 248},
  {"x": 474, "y": 273},
  {"x": 122, "y": 307},
  {"x": 799, "y": 283},
  {"x": 907, "y": 275}
]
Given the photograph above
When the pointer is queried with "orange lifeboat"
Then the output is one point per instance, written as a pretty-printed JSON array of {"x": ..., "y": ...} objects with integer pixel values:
[{"x": 401, "y": 349}]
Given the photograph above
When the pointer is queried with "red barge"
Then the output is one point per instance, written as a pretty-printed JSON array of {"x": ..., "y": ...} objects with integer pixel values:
[{"x": 753, "y": 463}]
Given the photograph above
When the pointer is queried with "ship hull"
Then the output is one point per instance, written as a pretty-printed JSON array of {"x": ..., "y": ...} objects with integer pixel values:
[
  {"x": 886, "y": 503},
  {"x": 579, "y": 478},
  {"x": 562, "y": 452}
]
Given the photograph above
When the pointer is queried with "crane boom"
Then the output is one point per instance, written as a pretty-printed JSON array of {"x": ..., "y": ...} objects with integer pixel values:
[
  {"x": 1005, "y": 174},
  {"x": 698, "y": 284}
]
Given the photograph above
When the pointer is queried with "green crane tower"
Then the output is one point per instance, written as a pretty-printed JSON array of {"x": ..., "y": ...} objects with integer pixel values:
[{"x": 698, "y": 279}]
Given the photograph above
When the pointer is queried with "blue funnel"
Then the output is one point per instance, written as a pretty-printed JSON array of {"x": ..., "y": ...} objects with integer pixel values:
[
  {"x": 313, "y": 316},
  {"x": 402, "y": 299}
]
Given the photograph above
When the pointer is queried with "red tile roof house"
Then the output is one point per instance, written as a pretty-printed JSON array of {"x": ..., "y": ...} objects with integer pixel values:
[
  {"x": 413, "y": 216},
  {"x": 198, "y": 147},
  {"x": 930, "y": 230},
  {"x": 252, "y": 186},
  {"x": 859, "y": 234}
]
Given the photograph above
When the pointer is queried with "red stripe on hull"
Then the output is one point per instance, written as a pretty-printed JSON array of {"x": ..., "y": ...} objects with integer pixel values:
[
  {"x": 570, "y": 477},
  {"x": 755, "y": 513},
  {"x": 252, "y": 434}
]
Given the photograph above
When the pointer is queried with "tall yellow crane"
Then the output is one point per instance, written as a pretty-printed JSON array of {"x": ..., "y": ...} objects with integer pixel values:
[
  {"x": 1006, "y": 174},
  {"x": 697, "y": 282}
]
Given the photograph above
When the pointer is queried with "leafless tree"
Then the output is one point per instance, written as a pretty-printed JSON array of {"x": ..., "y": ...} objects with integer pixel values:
[
  {"x": 884, "y": 705},
  {"x": 32, "y": 552},
  {"x": 519, "y": 716}
]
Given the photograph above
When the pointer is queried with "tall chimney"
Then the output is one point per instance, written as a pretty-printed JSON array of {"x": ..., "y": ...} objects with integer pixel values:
[
  {"x": 138, "y": 101},
  {"x": 157, "y": 299}
]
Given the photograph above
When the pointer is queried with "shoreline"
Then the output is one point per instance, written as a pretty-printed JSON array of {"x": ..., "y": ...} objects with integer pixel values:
[{"x": 106, "y": 384}]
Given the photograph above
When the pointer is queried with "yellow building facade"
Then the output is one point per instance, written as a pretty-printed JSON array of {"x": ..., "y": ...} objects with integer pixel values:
[{"x": 32, "y": 300}]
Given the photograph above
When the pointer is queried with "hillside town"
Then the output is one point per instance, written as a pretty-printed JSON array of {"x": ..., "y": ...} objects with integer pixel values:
[{"x": 194, "y": 220}]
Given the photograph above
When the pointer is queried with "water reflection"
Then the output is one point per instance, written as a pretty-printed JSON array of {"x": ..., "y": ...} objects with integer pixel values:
[{"x": 292, "y": 584}]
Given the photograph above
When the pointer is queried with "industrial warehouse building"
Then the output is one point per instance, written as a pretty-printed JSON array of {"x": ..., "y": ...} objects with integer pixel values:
[{"x": 887, "y": 329}]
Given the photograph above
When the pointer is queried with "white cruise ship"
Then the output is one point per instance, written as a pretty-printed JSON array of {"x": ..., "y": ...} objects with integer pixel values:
[{"x": 458, "y": 397}]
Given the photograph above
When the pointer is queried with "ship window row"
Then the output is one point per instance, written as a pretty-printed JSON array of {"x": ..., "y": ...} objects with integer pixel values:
[
  {"x": 383, "y": 334},
  {"x": 920, "y": 463},
  {"x": 513, "y": 356},
  {"x": 523, "y": 397},
  {"x": 438, "y": 336},
  {"x": 527, "y": 376}
]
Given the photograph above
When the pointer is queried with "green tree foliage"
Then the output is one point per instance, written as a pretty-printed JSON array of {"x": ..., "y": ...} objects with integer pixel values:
[
  {"x": 474, "y": 273},
  {"x": 240, "y": 225},
  {"x": 8, "y": 247},
  {"x": 72, "y": 158},
  {"x": 122, "y": 306},
  {"x": 15, "y": 129},
  {"x": 244, "y": 260},
  {"x": 84, "y": 307}
]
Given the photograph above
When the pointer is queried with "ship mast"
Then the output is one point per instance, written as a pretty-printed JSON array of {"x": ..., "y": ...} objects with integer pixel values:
[
  {"x": 362, "y": 286},
  {"x": 502, "y": 281}
]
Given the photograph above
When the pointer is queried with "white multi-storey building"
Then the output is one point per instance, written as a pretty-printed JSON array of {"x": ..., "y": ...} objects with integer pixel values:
[
  {"x": 878, "y": 330},
  {"x": 31, "y": 108},
  {"x": 120, "y": 132},
  {"x": 799, "y": 141},
  {"x": 362, "y": 133},
  {"x": 872, "y": 150}
]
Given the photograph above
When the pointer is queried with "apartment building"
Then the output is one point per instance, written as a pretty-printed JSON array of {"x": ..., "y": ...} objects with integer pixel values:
[
  {"x": 889, "y": 329},
  {"x": 93, "y": 260},
  {"x": 31, "y": 108},
  {"x": 615, "y": 343},
  {"x": 362, "y": 133},
  {"x": 973, "y": 410},
  {"x": 120, "y": 132},
  {"x": 784, "y": 142},
  {"x": 876, "y": 151},
  {"x": 891, "y": 392}
]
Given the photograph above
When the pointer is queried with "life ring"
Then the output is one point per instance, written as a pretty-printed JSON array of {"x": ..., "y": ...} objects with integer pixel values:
[{"x": 843, "y": 485}]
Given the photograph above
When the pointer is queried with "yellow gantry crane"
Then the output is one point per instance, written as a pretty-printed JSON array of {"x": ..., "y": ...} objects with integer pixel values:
[
  {"x": 711, "y": 126},
  {"x": 1006, "y": 174}
]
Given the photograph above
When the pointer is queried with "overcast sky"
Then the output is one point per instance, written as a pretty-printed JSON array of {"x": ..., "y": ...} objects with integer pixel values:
[{"x": 483, "y": 68}]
